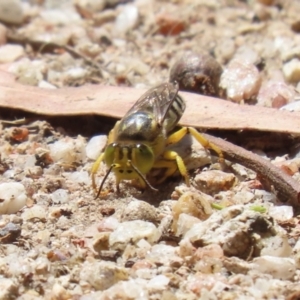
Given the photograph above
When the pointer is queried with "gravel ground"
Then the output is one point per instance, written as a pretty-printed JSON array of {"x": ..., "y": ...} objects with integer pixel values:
[{"x": 225, "y": 237}]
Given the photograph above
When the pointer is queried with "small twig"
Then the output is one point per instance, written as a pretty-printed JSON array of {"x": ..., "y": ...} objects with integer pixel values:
[
  {"x": 13, "y": 123},
  {"x": 51, "y": 47},
  {"x": 286, "y": 188}
]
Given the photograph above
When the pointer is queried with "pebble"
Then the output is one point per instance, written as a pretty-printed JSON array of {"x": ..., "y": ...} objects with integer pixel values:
[
  {"x": 291, "y": 70},
  {"x": 82, "y": 177},
  {"x": 277, "y": 245},
  {"x": 59, "y": 292},
  {"x": 11, "y": 12},
  {"x": 95, "y": 146},
  {"x": 10, "y": 53},
  {"x": 162, "y": 254},
  {"x": 68, "y": 150},
  {"x": 76, "y": 73},
  {"x": 184, "y": 223},
  {"x": 139, "y": 210},
  {"x": 10, "y": 232},
  {"x": 241, "y": 80},
  {"x": 266, "y": 2},
  {"x": 168, "y": 24},
  {"x": 279, "y": 267},
  {"x": 214, "y": 181},
  {"x": 234, "y": 228},
  {"x": 127, "y": 19},
  {"x": 158, "y": 282},
  {"x": 60, "y": 196},
  {"x": 8, "y": 289},
  {"x": 293, "y": 106},
  {"x": 132, "y": 232},
  {"x": 35, "y": 212},
  {"x": 13, "y": 197},
  {"x": 126, "y": 290},
  {"x": 108, "y": 224},
  {"x": 194, "y": 204},
  {"x": 275, "y": 94},
  {"x": 102, "y": 275},
  {"x": 91, "y": 6},
  {"x": 281, "y": 213},
  {"x": 46, "y": 85},
  {"x": 60, "y": 16},
  {"x": 28, "y": 72}
]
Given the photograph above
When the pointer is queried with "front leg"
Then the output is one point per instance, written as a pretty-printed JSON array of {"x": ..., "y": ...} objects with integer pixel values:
[{"x": 172, "y": 162}]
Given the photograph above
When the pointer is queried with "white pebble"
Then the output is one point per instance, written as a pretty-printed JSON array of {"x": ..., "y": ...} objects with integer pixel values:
[
  {"x": 185, "y": 223},
  {"x": 277, "y": 245},
  {"x": 241, "y": 80},
  {"x": 8, "y": 288},
  {"x": 158, "y": 282},
  {"x": 67, "y": 150},
  {"x": 46, "y": 85},
  {"x": 275, "y": 94},
  {"x": 35, "y": 212},
  {"x": 76, "y": 73},
  {"x": 60, "y": 196},
  {"x": 95, "y": 146},
  {"x": 291, "y": 70},
  {"x": 279, "y": 267},
  {"x": 132, "y": 232},
  {"x": 281, "y": 213},
  {"x": 60, "y": 16},
  {"x": 81, "y": 177},
  {"x": 13, "y": 197},
  {"x": 11, "y": 11},
  {"x": 10, "y": 53},
  {"x": 293, "y": 106},
  {"x": 162, "y": 254},
  {"x": 127, "y": 19},
  {"x": 102, "y": 274},
  {"x": 91, "y": 5}
]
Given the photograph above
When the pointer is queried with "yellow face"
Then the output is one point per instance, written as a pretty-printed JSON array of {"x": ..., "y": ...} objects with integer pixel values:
[{"x": 129, "y": 161}]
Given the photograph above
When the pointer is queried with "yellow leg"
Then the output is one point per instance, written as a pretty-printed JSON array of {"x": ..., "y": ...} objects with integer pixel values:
[
  {"x": 181, "y": 133},
  {"x": 95, "y": 168},
  {"x": 172, "y": 161}
]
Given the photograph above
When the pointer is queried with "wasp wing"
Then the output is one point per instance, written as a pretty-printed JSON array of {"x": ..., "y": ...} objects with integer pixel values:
[{"x": 158, "y": 101}]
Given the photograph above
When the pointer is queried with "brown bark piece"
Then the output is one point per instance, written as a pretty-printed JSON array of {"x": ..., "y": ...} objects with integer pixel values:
[{"x": 202, "y": 112}]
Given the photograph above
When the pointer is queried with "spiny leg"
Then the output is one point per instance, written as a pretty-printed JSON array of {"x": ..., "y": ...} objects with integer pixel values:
[
  {"x": 182, "y": 132},
  {"x": 172, "y": 161}
]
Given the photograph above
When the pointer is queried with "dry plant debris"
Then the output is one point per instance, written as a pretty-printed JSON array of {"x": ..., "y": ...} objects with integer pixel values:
[{"x": 67, "y": 68}]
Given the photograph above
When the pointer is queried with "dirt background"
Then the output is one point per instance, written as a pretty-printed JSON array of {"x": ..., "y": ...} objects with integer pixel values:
[{"x": 65, "y": 244}]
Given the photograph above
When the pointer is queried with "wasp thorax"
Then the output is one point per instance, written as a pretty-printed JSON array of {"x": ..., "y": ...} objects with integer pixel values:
[{"x": 139, "y": 126}]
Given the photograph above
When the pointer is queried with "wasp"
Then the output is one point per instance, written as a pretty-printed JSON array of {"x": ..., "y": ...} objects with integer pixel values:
[{"x": 140, "y": 141}]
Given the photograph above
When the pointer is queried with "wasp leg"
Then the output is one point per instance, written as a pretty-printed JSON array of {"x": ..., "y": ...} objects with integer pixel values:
[
  {"x": 172, "y": 161},
  {"x": 181, "y": 133},
  {"x": 94, "y": 170}
]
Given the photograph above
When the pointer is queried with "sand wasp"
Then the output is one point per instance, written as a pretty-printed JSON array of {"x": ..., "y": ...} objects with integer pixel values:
[{"x": 138, "y": 142}]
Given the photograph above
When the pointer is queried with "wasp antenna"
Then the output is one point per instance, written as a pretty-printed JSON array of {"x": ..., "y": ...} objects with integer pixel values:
[
  {"x": 143, "y": 177},
  {"x": 102, "y": 183}
]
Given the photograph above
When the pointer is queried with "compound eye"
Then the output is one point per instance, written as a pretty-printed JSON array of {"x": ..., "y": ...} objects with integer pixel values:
[
  {"x": 141, "y": 147},
  {"x": 144, "y": 158},
  {"x": 109, "y": 153}
]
